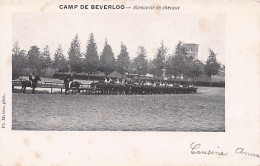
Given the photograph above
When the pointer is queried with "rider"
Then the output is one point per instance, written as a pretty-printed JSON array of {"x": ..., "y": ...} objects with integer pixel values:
[
  {"x": 70, "y": 79},
  {"x": 31, "y": 78},
  {"x": 106, "y": 80},
  {"x": 117, "y": 81}
]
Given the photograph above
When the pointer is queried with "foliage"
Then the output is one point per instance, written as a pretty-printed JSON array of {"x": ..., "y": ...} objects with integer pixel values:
[
  {"x": 107, "y": 60},
  {"x": 212, "y": 66},
  {"x": 180, "y": 64},
  {"x": 159, "y": 61},
  {"x": 91, "y": 61},
  {"x": 47, "y": 62},
  {"x": 19, "y": 61},
  {"x": 46, "y": 55},
  {"x": 75, "y": 55},
  {"x": 196, "y": 70},
  {"x": 123, "y": 60},
  {"x": 152, "y": 67},
  {"x": 192, "y": 68},
  {"x": 36, "y": 61},
  {"x": 176, "y": 63},
  {"x": 140, "y": 65},
  {"x": 60, "y": 62}
]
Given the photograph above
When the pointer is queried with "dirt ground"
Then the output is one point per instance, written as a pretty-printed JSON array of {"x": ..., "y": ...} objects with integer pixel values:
[{"x": 203, "y": 111}]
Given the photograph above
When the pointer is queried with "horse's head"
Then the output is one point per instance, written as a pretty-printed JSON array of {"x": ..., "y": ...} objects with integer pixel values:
[
  {"x": 37, "y": 78},
  {"x": 63, "y": 78}
]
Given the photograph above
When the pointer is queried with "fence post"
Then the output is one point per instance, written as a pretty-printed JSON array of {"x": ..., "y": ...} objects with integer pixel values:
[{"x": 51, "y": 87}]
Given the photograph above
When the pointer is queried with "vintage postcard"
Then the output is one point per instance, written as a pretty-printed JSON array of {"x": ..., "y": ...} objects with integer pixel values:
[{"x": 130, "y": 83}]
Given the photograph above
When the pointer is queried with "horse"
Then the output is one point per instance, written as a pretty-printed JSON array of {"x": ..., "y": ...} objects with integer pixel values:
[
  {"x": 76, "y": 85},
  {"x": 32, "y": 84},
  {"x": 69, "y": 85}
]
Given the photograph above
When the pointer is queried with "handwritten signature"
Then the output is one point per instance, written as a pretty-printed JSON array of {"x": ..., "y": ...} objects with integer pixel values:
[{"x": 196, "y": 149}]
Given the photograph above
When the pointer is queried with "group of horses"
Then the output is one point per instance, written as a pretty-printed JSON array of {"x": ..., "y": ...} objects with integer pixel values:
[
  {"x": 117, "y": 88},
  {"x": 102, "y": 87}
]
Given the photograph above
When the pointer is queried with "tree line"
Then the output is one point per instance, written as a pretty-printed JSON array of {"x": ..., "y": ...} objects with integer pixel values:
[{"x": 176, "y": 64}]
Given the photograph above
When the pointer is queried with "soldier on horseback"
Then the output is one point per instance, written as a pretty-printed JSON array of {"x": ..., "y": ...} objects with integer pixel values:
[
  {"x": 31, "y": 78},
  {"x": 31, "y": 83},
  {"x": 70, "y": 80}
]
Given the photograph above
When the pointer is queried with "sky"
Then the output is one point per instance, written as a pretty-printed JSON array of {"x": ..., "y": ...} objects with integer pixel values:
[{"x": 147, "y": 29}]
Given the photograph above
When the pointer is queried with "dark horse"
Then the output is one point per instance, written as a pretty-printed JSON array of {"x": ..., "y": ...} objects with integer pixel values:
[
  {"x": 69, "y": 85},
  {"x": 31, "y": 84}
]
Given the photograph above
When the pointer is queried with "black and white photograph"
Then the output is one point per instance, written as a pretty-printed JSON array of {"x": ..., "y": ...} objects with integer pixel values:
[
  {"x": 129, "y": 83},
  {"x": 99, "y": 72}
]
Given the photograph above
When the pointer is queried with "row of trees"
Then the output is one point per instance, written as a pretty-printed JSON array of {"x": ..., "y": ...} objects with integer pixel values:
[
  {"x": 176, "y": 64},
  {"x": 33, "y": 61}
]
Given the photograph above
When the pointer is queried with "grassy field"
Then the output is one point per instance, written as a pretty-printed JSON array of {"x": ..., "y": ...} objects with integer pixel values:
[{"x": 204, "y": 111}]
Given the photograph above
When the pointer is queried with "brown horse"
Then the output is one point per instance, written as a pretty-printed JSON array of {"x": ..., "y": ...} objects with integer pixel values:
[{"x": 32, "y": 84}]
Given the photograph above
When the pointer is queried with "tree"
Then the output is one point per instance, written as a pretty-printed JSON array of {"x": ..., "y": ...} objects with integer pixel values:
[
  {"x": 140, "y": 66},
  {"x": 176, "y": 63},
  {"x": 212, "y": 66},
  {"x": 107, "y": 60},
  {"x": 46, "y": 58},
  {"x": 194, "y": 70},
  {"x": 152, "y": 67},
  {"x": 180, "y": 50},
  {"x": 60, "y": 62},
  {"x": 123, "y": 60},
  {"x": 75, "y": 55},
  {"x": 222, "y": 67},
  {"x": 35, "y": 61},
  {"x": 159, "y": 61},
  {"x": 19, "y": 61},
  {"x": 91, "y": 61},
  {"x": 46, "y": 55}
]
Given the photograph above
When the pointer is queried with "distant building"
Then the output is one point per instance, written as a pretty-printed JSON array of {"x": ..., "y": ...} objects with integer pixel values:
[{"x": 192, "y": 50}]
